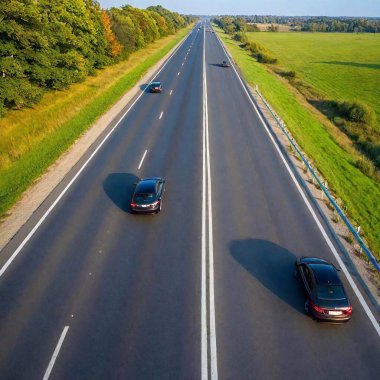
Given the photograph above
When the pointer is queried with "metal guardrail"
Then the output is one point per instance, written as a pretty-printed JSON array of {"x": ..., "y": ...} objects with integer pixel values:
[{"x": 351, "y": 228}]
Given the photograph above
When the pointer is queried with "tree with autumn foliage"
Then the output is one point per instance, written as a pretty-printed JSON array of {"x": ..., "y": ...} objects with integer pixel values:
[{"x": 114, "y": 45}]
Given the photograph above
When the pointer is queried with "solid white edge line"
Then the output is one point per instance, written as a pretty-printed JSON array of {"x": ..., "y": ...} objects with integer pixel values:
[
  {"x": 142, "y": 160},
  {"x": 161, "y": 115},
  {"x": 34, "y": 229},
  {"x": 320, "y": 227},
  {"x": 55, "y": 353},
  {"x": 204, "y": 343}
]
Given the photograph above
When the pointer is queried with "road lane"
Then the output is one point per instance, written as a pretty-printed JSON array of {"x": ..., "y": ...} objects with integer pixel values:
[
  {"x": 261, "y": 325},
  {"x": 127, "y": 285}
]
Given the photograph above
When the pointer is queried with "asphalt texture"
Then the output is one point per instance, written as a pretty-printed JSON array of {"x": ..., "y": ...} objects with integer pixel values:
[{"x": 129, "y": 286}]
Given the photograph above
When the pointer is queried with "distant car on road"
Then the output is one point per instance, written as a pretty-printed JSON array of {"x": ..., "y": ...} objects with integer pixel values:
[
  {"x": 326, "y": 298},
  {"x": 225, "y": 64},
  {"x": 156, "y": 87},
  {"x": 147, "y": 197}
]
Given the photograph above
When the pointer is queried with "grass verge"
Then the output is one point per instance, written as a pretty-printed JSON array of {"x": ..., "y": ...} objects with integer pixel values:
[
  {"x": 359, "y": 193},
  {"x": 32, "y": 139},
  {"x": 338, "y": 74}
]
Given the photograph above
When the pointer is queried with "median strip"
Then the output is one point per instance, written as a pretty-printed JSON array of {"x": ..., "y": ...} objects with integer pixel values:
[{"x": 207, "y": 249}]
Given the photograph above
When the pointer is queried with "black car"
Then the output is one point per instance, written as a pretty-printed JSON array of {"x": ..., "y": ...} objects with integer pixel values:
[
  {"x": 326, "y": 298},
  {"x": 225, "y": 64},
  {"x": 147, "y": 195},
  {"x": 156, "y": 87}
]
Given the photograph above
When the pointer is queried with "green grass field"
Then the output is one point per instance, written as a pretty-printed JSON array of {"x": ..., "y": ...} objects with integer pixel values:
[
  {"x": 359, "y": 193},
  {"x": 32, "y": 139},
  {"x": 341, "y": 66}
]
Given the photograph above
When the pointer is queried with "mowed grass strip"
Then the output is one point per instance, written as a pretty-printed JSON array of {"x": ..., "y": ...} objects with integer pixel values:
[
  {"x": 359, "y": 193},
  {"x": 32, "y": 139},
  {"x": 341, "y": 66}
]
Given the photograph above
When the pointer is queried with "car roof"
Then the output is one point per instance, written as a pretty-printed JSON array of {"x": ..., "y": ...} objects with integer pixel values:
[{"x": 325, "y": 274}]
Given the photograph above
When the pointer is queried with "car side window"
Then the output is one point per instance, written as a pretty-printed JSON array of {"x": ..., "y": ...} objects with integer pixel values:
[{"x": 307, "y": 276}]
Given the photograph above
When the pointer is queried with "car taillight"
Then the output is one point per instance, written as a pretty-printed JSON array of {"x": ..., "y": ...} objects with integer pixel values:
[
  {"x": 347, "y": 310},
  {"x": 133, "y": 204},
  {"x": 316, "y": 308}
]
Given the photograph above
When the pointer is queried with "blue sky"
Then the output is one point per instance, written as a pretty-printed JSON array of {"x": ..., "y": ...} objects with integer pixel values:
[{"x": 262, "y": 7}]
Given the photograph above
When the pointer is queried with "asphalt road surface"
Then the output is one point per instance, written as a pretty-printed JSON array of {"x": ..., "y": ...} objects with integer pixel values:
[{"x": 203, "y": 290}]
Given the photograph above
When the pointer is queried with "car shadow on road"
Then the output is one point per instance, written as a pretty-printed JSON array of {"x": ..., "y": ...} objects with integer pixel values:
[
  {"x": 215, "y": 64},
  {"x": 273, "y": 266},
  {"x": 145, "y": 87},
  {"x": 119, "y": 188}
]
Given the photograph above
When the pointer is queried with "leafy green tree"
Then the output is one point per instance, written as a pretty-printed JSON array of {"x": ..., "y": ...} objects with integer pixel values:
[
  {"x": 126, "y": 30},
  {"x": 48, "y": 44},
  {"x": 162, "y": 27},
  {"x": 21, "y": 46}
]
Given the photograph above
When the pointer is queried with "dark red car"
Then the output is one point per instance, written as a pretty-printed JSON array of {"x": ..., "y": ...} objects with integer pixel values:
[
  {"x": 147, "y": 197},
  {"x": 326, "y": 298}
]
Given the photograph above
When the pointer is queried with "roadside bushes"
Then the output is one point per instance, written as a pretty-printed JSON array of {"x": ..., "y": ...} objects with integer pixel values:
[
  {"x": 241, "y": 37},
  {"x": 260, "y": 52},
  {"x": 265, "y": 58},
  {"x": 357, "y": 112},
  {"x": 356, "y": 119},
  {"x": 253, "y": 28},
  {"x": 290, "y": 75},
  {"x": 365, "y": 166}
]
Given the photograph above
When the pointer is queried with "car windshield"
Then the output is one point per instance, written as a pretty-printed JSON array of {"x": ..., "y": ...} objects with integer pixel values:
[
  {"x": 156, "y": 84},
  {"x": 330, "y": 292}
]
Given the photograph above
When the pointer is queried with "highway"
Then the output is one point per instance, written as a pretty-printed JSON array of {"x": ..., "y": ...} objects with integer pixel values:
[{"x": 203, "y": 290}]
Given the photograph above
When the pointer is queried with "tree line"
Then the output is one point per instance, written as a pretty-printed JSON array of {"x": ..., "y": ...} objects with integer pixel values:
[
  {"x": 48, "y": 45},
  {"x": 304, "y": 23}
]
